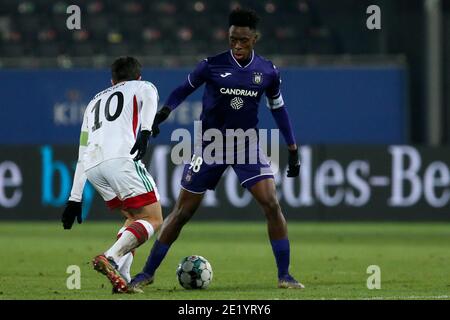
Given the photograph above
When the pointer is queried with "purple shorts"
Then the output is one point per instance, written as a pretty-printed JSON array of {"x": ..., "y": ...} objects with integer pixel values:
[{"x": 205, "y": 176}]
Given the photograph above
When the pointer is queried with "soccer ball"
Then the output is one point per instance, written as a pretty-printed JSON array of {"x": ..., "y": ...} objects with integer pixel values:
[{"x": 194, "y": 272}]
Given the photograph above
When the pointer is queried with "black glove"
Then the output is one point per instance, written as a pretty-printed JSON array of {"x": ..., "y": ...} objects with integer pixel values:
[
  {"x": 160, "y": 116},
  {"x": 294, "y": 164},
  {"x": 72, "y": 210},
  {"x": 140, "y": 145}
]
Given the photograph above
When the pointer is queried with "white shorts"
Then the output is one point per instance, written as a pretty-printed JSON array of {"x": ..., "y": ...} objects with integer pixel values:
[{"x": 123, "y": 183}]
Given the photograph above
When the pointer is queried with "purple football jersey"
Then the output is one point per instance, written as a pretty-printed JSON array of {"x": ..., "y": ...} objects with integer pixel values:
[{"x": 233, "y": 92}]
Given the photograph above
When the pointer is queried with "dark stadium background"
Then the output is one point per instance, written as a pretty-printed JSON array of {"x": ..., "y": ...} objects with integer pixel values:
[{"x": 369, "y": 107}]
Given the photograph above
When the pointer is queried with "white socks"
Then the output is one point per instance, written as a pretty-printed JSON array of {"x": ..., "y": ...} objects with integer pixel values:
[
  {"x": 124, "y": 266},
  {"x": 132, "y": 237}
]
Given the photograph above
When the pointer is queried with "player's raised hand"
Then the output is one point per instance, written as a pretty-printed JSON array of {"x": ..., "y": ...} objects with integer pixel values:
[
  {"x": 160, "y": 116},
  {"x": 294, "y": 163},
  {"x": 140, "y": 145},
  {"x": 72, "y": 211}
]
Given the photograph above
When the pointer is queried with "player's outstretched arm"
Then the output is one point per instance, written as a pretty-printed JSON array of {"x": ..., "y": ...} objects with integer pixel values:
[
  {"x": 160, "y": 117},
  {"x": 194, "y": 80},
  {"x": 175, "y": 98}
]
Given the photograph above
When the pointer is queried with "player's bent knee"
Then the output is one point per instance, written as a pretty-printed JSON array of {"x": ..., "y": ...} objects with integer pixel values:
[
  {"x": 151, "y": 213},
  {"x": 154, "y": 214}
]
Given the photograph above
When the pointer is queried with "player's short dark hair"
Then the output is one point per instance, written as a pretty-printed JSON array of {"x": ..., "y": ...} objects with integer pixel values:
[
  {"x": 243, "y": 18},
  {"x": 125, "y": 68}
]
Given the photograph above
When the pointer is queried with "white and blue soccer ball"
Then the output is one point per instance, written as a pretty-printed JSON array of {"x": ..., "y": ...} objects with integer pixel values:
[{"x": 194, "y": 272}]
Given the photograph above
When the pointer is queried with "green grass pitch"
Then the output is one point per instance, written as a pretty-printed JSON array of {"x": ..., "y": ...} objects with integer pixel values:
[{"x": 331, "y": 259}]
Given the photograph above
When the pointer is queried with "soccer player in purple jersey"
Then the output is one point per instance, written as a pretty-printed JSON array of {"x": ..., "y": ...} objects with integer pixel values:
[{"x": 234, "y": 81}]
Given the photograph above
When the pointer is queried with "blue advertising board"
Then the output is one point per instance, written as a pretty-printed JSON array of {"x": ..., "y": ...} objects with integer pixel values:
[{"x": 333, "y": 105}]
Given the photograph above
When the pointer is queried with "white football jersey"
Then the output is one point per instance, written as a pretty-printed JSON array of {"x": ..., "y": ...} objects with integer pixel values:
[{"x": 112, "y": 120}]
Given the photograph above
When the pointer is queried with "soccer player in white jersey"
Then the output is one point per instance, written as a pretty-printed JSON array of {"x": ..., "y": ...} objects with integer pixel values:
[{"x": 114, "y": 135}]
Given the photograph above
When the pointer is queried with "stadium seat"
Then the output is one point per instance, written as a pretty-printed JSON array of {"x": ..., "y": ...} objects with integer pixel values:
[
  {"x": 50, "y": 49},
  {"x": 8, "y": 7},
  {"x": 81, "y": 50},
  {"x": 28, "y": 23},
  {"x": 98, "y": 25},
  {"x": 166, "y": 7},
  {"x": 320, "y": 42},
  {"x": 149, "y": 49},
  {"x": 131, "y": 25},
  {"x": 118, "y": 49},
  {"x": 95, "y": 8},
  {"x": 172, "y": 26},
  {"x": 11, "y": 49}
]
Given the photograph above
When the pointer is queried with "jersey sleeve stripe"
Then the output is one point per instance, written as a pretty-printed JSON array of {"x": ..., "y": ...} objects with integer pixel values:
[
  {"x": 135, "y": 115},
  {"x": 83, "y": 138},
  {"x": 190, "y": 81}
]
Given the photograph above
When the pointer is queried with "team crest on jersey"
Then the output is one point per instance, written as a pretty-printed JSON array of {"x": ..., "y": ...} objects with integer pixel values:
[{"x": 257, "y": 77}]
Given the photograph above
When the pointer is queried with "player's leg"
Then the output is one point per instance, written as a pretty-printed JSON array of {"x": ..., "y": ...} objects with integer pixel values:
[
  {"x": 184, "y": 209},
  {"x": 145, "y": 221},
  {"x": 140, "y": 205},
  {"x": 124, "y": 264},
  {"x": 194, "y": 183},
  {"x": 98, "y": 181},
  {"x": 265, "y": 194},
  {"x": 256, "y": 176}
]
